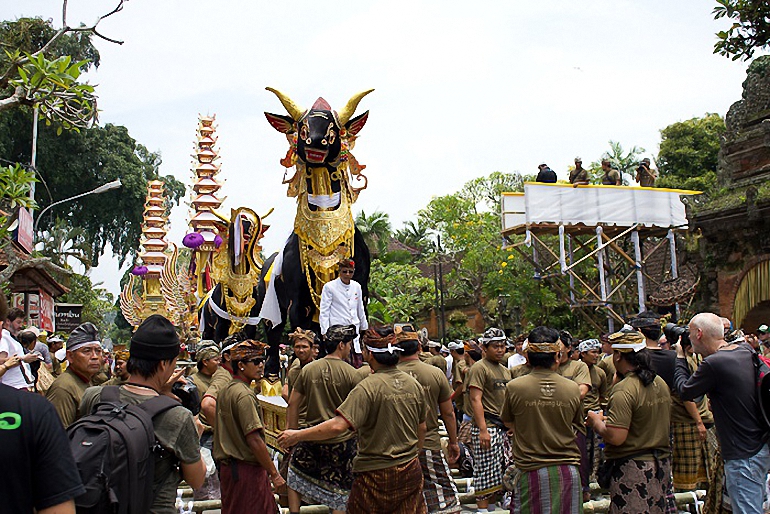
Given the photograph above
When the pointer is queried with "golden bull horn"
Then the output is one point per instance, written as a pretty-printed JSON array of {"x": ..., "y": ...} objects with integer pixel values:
[
  {"x": 294, "y": 111},
  {"x": 347, "y": 112}
]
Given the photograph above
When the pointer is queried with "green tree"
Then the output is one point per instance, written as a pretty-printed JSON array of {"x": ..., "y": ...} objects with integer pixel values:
[
  {"x": 749, "y": 32},
  {"x": 625, "y": 162},
  {"x": 98, "y": 303},
  {"x": 415, "y": 235},
  {"x": 689, "y": 151},
  {"x": 62, "y": 242},
  {"x": 375, "y": 229},
  {"x": 400, "y": 292},
  {"x": 74, "y": 162},
  {"x": 31, "y": 76}
]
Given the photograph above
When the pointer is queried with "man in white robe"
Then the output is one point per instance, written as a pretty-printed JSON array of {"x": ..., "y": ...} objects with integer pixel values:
[{"x": 342, "y": 303}]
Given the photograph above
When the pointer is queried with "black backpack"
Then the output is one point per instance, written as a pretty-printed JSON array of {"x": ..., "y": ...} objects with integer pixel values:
[{"x": 114, "y": 449}]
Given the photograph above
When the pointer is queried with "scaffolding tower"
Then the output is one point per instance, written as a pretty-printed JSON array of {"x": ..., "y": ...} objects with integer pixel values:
[{"x": 602, "y": 249}]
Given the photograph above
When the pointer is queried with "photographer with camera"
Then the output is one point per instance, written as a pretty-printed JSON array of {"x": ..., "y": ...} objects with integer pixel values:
[
  {"x": 645, "y": 175},
  {"x": 691, "y": 423},
  {"x": 727, "y": 377}
]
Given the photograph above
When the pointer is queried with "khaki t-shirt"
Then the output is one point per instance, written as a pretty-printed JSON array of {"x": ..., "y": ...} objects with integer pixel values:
[
  {"x": 645, "y": 412},
  {"x": 593, "y": 400},
  {"x": 458, "y": 378},
  {"x": 175, "y": 431},
  {"x": 325, "y": 383},
  {"x": 385, "y": 409},
  {"x": 65, "y": 394},
  {"x": 219, "y": 381},
  {"x": 545, "y": 409},
  {"x": 237, "y": 416},
  {"x": 678, "y": 412},
  {"x": 364, "y": 371},
  {"x": 436, "y": 389},
  {"x": 291, "y": 378},
  {"x": 202, "y": 382},
  {"x": 606, "y": 364},
  {"x": 520, "y": 371},
  {"x": 439, "y": 362},
  {"x": 491, "y": 378},
  {"x": 577, "y": 371}
]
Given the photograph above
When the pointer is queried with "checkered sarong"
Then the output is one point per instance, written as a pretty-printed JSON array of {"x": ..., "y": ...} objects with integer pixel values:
[
  {"x": 690, "y": 459},
  {"x": 489, "y": 465},
  {"x": 438, "y": 488}
]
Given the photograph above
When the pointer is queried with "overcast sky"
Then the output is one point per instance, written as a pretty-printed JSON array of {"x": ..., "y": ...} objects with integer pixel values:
[{"x": 462, "y": 89}]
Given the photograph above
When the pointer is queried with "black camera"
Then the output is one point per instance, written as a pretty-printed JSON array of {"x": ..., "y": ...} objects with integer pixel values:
[
  {"x": 675, "y": 333},
  {"x": 188, "y": 393}
]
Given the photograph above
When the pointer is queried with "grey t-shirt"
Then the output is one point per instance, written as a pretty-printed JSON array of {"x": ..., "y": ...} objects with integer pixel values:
[
  {"x": 175, "y": 431},
  {"x": 727, "y": 376},
  {"x": 42, "y": 349}
]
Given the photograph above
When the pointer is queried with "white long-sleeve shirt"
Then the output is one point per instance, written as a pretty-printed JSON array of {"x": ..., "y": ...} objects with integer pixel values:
[{"x": 343, "y": 304}]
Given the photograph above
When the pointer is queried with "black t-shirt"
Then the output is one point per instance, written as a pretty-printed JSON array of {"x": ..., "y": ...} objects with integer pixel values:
[
  {"x": 727, "y": 376},
  {"x": 546, "y": 175},
  {"x": 38, "y": 471},
  {"x": 663, "y": 363}
]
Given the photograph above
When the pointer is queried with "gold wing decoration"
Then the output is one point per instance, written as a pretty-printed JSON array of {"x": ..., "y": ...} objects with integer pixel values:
[
  {"x": 173, "y": 287},
  {"x": 131, "y": 304}
]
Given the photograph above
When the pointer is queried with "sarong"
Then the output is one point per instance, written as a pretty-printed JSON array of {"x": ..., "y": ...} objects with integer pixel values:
[
  {"x": 322, "y": 472},
  {"x": 690, "y": 458},
  {"x": 395, "y": 490},
  {"x": 438, "y": 488},
  {"x": 548, "y": 490},
  {"x": 245, "y": 489},
  {"x": 642, "y": 486},
  {"x": 585, "y": 465},
  {"x": 717, "y": 499},
  {"x": 464, "y": 432},
  {"x": 489, "y": 465}
]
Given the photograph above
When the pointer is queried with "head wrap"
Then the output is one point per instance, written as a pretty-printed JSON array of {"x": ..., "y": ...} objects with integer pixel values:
[
  {"x": 645, "y": 321},
  {"x": 231, "y": 340},
  {"x": 736, "y": 336},
  {"x": 433, "y": 344},
  {"x": 247, "y": 350},
  {"x": 544, "y": 347},
  {"x": 472, "y": 346},
  {"x": 625, "y": 342},
  {"x": 405, "y": 332},
  {"x": 589, "y": 344},
  {"x": 155, "y": 339},
  {"x": 300, "y": 334},
  {"x": 55, "y": 339},
  {"x": 84, "y": 335},
  {"x": 578, "y": 159},
  {"x": 207, "y": 349},
  {"x": 341, "y": 333},
  {"x": 381, "y": 344},
  {"x": 456, "y": 345},
  {"x": 492, "y": 335},
  {"x": 121, "y": 355}
]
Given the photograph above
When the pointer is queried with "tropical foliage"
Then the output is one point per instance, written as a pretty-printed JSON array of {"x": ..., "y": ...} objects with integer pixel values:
[{"x": 749, "y": 32}]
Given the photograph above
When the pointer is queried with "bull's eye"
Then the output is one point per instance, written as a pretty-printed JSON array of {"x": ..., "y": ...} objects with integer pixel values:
[{"x": 330, "y": 134}]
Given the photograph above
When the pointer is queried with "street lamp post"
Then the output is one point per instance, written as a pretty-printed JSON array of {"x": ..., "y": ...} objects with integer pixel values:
[{"x": 101, "y": 189}]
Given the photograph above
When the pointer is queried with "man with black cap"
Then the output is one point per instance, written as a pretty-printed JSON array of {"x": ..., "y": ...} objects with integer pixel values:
[
  {"x": 322, "y": 471},
  {"x": 152, "y": 368},
  {"x": 84, "y": 355},
  {"x": 544, "y": 410},
  {"x": 245, "y": 467}
]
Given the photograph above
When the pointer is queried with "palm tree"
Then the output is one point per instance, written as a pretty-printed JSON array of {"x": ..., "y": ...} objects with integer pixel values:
[
  {"x": 625, "y": 163},
  {"x": 415, "y": 235},
  {"x": 375, "y": 230}
]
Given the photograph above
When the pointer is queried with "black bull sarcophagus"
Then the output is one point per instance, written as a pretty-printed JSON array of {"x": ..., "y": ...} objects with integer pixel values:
[{"x": 323, "y": 182}]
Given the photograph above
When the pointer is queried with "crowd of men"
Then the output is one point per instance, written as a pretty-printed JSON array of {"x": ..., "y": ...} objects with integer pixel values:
[
  {"x": 645, "y": 411},
  {"x": 578, "y": 176}
]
